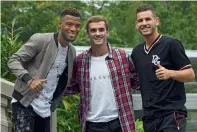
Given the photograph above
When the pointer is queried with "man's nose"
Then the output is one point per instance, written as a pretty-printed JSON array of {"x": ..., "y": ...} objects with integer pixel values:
[
  {"x": 98, "y": 32},
  {"x": 73, "y": 28},
  {"x": 144, "y": 22}
]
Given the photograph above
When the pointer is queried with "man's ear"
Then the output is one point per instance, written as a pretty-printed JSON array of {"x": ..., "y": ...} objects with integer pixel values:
[
  {"x": 136, "y": 25},
  {"x": 59, "y": 23},
  {"x": 157, "y": 21},
  {"x": 87, "y": 34},
  {"x": 107, "y": 33}
]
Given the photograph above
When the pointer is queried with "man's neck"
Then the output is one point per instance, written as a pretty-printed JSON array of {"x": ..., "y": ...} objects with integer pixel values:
[
  {"x": 150, "y": 39},
  {"x": 99, "y": 50},
  {"x": 62, "y": 42}
]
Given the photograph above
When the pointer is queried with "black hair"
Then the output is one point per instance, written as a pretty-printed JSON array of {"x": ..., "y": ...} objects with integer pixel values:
[
  {"x": 143, "y": 8},
  {"x": 70, "y": 11}
]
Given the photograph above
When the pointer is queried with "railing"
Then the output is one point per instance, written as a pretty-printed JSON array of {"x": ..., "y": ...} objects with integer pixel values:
[
  {"x": 7, "y": 88},
  {"x": 192, "y": 54},
  {"x": 191, "y": 101},
  {"x": 6, "y": 94}
]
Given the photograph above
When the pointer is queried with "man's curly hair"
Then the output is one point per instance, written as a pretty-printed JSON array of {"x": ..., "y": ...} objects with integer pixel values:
[{"x": 70, "y": 11}]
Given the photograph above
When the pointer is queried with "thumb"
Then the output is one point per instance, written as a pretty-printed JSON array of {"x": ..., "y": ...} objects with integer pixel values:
[
  {"x": 43, "y": 80},
  {"x": 159, "y": 66}
]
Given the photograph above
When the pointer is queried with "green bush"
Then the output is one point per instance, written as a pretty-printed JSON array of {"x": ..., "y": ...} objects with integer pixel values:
[
  {"x": 67, "y": 115},
  {"x": 139, "y": 126},
  {"x": 10, "y": 43}
]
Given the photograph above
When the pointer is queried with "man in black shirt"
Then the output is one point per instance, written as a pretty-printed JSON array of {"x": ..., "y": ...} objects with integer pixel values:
[{"x": 163, "y": 67}]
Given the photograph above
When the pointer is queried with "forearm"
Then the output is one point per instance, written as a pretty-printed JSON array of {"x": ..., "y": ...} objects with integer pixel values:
[{"x": 186, "y": 75}]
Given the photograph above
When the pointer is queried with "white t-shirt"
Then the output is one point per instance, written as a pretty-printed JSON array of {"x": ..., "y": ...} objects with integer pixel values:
[{"x": 103, "y": 106}]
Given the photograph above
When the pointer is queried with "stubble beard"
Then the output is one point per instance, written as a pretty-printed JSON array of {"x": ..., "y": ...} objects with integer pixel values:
[{"x": 65, "y": 37}]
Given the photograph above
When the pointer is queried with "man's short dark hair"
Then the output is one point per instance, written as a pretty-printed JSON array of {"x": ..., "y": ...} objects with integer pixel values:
[
  {"x": 143, "y": 8},
  {"x": 70, "y": 11}
]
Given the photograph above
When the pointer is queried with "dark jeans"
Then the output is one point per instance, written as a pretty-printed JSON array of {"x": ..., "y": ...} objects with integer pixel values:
[
  {"x": 111, "y": 126},
  {"x": 170, "y": 123},
  {"x": 26, "y": 120}
]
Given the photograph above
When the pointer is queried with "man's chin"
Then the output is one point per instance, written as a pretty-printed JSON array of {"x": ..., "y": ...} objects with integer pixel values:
[
  {"x": 98, "y": 43},
  {"x": 146, "y": 34},
  {"x": 71, "y": 39}
]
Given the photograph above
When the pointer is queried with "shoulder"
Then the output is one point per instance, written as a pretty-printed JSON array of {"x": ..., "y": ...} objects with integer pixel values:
[
  {"x": 42, "y": 37},
  {"x": 172, "y": 42},
  {"x": 72, "y": 47},
  {"x": 82, "y": 55},
  {"x": 138, "y": 47},
  {"x": 119, "y": 51}
]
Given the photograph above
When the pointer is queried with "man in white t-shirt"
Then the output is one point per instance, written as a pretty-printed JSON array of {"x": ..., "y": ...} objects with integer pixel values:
[{"x": 104, "y": 76}]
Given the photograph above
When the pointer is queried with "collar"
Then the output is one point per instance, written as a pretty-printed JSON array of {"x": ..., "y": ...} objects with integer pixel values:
[
  {"x": 56, "y": 41},
  {"x": 154, "y": 42}
]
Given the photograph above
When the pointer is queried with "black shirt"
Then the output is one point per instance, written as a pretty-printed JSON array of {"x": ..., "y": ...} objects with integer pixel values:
[{"x": 161, "y": 97}]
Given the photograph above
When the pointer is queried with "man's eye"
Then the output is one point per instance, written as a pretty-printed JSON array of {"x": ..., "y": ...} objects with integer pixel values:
[
  {"x": 101, "y": 29},
  {"x": 78, "y": 26},
  {"x": 93, "y": 30},
  {"x": 147, "y": 19},
  {"x": 69, "y": 24}
]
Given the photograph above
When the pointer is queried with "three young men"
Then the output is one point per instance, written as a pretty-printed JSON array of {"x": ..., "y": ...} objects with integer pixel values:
[{"x": 104, "y": 76}]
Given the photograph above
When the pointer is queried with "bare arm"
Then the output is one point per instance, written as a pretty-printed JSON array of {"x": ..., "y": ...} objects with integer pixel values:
[{"x": 185, "y": 75}]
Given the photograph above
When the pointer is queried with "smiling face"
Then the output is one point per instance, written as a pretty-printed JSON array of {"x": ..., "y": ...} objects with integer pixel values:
[
  {"x": 69, "y": 27},
  {"x": 97, "y": 33},
  {"x": 147, "y": 23}
]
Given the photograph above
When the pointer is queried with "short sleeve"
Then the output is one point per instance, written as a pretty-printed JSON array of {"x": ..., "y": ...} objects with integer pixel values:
[{"x": 178, "y": 55}]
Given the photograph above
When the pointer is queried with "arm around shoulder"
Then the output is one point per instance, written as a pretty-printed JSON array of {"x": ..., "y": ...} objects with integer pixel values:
[
  {"x": 72, "y": 86},
  {"x": 133, "y": 74}
]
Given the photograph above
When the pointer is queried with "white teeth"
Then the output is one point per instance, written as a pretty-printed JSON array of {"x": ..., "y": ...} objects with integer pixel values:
[
  {"x": 71, "y": 35},
  {"x": 145, "y": 29},
  {"x": 98, "y": 38}
]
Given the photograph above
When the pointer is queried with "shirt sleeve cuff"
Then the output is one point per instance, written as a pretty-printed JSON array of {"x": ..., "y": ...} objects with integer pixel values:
[
  {"x": 26, "y": 77},
  {"x": 186, "y": 67}
]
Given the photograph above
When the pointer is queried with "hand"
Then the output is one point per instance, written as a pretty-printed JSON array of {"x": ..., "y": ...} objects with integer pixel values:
[
  {"x": 162, "y": 73},
  {"x": 36, "y": 84}
]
